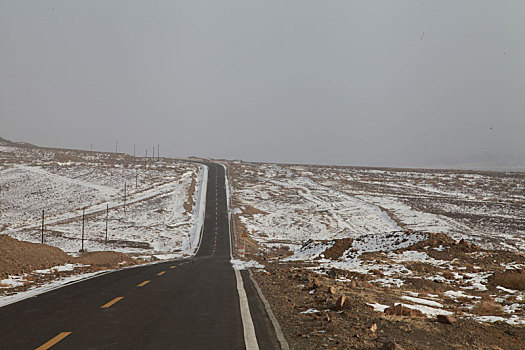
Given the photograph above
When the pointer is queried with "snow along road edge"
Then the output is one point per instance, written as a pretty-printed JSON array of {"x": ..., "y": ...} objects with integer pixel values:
[{"x": 195, "y": 234}]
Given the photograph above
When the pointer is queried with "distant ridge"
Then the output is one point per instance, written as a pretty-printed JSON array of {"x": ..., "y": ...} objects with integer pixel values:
[
  {"x": 15, "y": 144},
  {"x": 484, "y": 161}
]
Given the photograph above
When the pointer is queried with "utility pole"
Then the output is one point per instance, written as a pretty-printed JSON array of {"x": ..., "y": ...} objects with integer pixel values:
[
  {"x": 133, "y": 150},
  {"x": 153, "y": 157},
  {"x": 42, "y": 226},
  {"x": 107, "y": 217},
  {"x": 83, "y": 220},
  {"x": 158, "y": 151},
  {"x": 91, "y": 147},
  {"x": 116, "y": 147}
]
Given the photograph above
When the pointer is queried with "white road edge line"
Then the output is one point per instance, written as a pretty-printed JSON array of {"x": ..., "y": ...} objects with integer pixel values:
[{"x": 250, "y": 339}]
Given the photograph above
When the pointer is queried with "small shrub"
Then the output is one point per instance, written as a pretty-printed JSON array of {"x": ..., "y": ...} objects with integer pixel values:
[
  {"x": 487, "y": 307},
  {"x": 511, "y": 279}
]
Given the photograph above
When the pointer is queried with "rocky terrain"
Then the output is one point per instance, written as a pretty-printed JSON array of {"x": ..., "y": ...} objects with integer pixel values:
[{"x": 378, "y": 258}]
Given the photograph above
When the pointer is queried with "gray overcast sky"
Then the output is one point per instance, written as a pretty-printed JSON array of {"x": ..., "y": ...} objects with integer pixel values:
[{"x": 402, "y": 83}]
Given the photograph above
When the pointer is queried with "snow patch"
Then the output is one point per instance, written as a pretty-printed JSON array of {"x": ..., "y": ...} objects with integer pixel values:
[
  {"x": 422, "y": 301},
  {"x": 245, "y": 264}
]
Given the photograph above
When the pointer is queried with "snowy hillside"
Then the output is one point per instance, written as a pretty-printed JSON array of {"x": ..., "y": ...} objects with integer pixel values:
[
  {"x": 292, "y": 204},
  {"x": 153, "y": 204}
]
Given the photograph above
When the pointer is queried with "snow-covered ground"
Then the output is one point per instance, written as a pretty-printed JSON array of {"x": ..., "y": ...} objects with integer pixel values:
[
  {"x": 279, "y": 203},
  {"x": 158, "y": 217}
]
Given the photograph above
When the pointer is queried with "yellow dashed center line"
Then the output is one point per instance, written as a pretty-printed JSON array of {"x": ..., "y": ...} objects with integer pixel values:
[
  {"x": 161, "y": 273},
  {"x": 53, "y": 341},
  {"x": 114, "y": 301},
  {"x": 143, "y": 284}
]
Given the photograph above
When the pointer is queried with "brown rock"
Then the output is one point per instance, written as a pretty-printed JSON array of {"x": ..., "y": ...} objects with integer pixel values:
[
  {"x": 340, "y": 302},
  {"x": 447, "y": 319},
  {"x": 373, "y": 328},
  {"x": 328, "y": 318},
  {"x": 400, "y": 310},
  {"x": 337, "y": 250},
  {"x": 391, "y": 345},
  {"x": 331, "y": 290},
  {"x": 304, "y": 278},
  {"x": 463, "y": 242},
  {"x": 316, "y": 283}
]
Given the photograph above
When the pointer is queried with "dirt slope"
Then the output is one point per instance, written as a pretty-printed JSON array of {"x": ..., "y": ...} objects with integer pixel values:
[{"x": 17, "y": 257}]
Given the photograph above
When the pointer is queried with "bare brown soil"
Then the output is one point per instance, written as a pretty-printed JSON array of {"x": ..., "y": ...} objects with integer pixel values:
[
  {"x": 339, "y": 247},
  {"x": 18, "y": 258},
  {"x": 292, "y": 289},
  {"x": 250, "y": 211},
  {"x": 104, "y": 260}
]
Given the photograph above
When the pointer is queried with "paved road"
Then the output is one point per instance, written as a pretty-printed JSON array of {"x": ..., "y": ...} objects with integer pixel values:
[{"x": 185, "y": 304}]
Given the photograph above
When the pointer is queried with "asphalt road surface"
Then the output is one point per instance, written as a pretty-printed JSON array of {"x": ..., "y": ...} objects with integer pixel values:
[{"x": 185, "y": 304}]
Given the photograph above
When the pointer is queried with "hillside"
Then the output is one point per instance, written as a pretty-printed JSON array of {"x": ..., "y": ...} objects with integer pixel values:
[{"x": 101, "y": 210}]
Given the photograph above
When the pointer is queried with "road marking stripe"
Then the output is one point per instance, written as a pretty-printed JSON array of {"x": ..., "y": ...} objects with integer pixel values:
[
  {"x": 116, "y": 300},
  {"x": 172, "y": 266},
  {"x": 143, "y": 284},
  {"x": 161, "y": 273},
  {"x": 53, "y": 341},
  {"x": 250, "y": 340}
]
